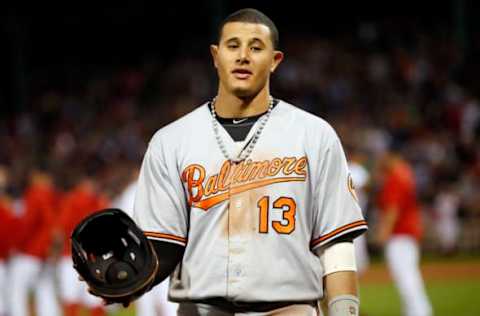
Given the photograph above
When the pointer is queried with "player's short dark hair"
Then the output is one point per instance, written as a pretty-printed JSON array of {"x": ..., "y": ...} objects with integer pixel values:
[{"x": 250, "y": 15}]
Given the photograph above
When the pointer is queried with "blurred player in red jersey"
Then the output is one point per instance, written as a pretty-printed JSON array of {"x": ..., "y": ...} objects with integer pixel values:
[
  {"x": 400, "y": 230},
  {"x": 31, "y": 267},
  {"x": 7, "y": 224},
  {"x": 81, "y": 201}
]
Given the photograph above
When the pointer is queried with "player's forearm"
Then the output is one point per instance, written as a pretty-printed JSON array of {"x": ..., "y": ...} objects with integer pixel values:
[
  {"x": 342, "y": 293},
  {"x": 341, "y": 283},
  {"x": 340, "y": 278}
]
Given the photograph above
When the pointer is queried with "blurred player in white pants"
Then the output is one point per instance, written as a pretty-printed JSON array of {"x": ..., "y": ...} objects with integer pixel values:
[
  {"x": 29, "y": 272},
  {"x": 3, "y": 274},
  {"x": 83, "y": 199},
  {"x": 360, "y": 177},
  {"x": 32, "y": 268},
  {"x": 407, "y": 275},
  {"x": 446, "y": 205},
  {"x": 400, "y": 230},
  {"x": 73, "y": 290},
  {"x": 155, "y": 301},
  {"x": 6, "y": 236}
]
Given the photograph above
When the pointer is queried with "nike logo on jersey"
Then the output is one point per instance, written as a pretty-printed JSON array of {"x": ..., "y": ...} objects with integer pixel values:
[
  {"x": 237, "y": 178},
  {"x": 239, "y": 121}
]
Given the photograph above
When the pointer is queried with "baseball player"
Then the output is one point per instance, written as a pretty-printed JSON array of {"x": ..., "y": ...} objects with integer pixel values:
[
  {"x": 156, "y": 300},
  {"x": 250, "y": 195},
  {"x": 78, "y": 203},
  {"x": 31, "y": 265},
  {"x": 446, "y": 205},
  {"x": 6, "y": 221},
  {"x": 7, "y": 225},
  {"x": 6, "y": 218},
  {"x": 400, "y": 230}
]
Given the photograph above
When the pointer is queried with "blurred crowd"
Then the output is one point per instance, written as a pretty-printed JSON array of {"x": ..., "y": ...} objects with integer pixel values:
[{"x": 85, "y": 129}]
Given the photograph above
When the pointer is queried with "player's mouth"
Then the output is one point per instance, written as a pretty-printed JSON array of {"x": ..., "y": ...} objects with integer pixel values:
[{"x": 241, "y": 73}]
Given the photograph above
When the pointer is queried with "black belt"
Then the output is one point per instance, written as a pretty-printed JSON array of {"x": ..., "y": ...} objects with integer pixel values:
[{"x": 243, "y": 307}]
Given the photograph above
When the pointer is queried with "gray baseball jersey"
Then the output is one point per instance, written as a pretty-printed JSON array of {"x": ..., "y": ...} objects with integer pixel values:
[{"x": 249, "y": 228}]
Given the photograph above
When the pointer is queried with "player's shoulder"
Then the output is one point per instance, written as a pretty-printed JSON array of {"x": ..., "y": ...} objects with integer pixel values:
[
  {"x": 311, "y": 122},
  {"x": 182, "y": 127}
]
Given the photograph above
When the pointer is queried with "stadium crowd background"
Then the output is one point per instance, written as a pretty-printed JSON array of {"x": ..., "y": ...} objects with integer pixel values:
[{"x": 404, "y": 81}]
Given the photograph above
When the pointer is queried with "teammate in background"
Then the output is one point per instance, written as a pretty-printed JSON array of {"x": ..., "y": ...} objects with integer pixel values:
[
  {"x": 361, "y": 179},
  {"x": 31, "y": 266},
  {"x": 251, "y": 194},
  {"x": 154, "y": 302},
  {"x": 78, "y": 203},
  {"x": 446, "y": 205},
  {"x": 7, "y": 234},
  {"x": 400, "y": 230}
]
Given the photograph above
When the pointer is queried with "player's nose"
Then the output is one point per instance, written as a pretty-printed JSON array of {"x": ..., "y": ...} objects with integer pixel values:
[{"x": 243, "y": 56}]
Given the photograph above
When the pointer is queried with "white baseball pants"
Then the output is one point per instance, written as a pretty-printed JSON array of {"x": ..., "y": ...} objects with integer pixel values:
[
  {"x": 30, "y": 273},
  {"x": 402, "y": 254}
]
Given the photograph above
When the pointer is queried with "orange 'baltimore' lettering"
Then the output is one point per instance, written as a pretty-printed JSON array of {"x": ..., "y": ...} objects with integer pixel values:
[
  {"x": 235, "y": 178},
  {"x": 188, "y": 177}
]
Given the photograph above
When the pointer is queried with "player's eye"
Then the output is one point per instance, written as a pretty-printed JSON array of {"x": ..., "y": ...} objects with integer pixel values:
[
  {"x": 255, "y": 48},
  {"x": 232, "y": 46}
]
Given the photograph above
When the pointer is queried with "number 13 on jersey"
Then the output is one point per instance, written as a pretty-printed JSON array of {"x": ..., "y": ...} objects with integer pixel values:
[{"x": 284, "y": 226}]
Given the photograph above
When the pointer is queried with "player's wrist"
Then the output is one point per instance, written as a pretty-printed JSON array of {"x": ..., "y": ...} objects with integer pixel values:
[{"x": 343, "y": 305}]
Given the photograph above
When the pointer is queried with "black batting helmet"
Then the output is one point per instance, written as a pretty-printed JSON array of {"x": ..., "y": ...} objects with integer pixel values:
[{"x": 113, "y": 256}]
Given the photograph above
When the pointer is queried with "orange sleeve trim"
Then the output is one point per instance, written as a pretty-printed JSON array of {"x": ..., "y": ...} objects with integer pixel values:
[
  {"x": 166, "y": 236},
  {"x": 337, "y": 231}
]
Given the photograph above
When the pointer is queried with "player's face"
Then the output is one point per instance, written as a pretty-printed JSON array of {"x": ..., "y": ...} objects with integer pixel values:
[{"x": 244, "y": 58}]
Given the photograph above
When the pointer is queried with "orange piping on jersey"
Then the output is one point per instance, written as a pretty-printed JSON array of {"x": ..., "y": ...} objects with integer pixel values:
[
  {"x": 214, "y": 200},
  {"x": 337, "y": 231},
  {"x": 165, "y": 236}
]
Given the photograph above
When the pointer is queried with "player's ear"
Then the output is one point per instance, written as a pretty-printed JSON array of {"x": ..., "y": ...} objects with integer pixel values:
[
  {"x": 277, "y": 59},
  {"x": 214, "y": 52}
]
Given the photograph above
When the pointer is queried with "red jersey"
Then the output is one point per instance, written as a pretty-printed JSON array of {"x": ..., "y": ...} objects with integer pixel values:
[
  {"x": 75, "y": 206},
  {"x": 399, "y": 191},
  {"x": 7, "y": 228},
  {"x": 37, "y": 221}
]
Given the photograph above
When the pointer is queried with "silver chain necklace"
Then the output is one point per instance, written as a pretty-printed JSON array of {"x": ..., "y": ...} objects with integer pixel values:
[{"x": 245, "y": 153}]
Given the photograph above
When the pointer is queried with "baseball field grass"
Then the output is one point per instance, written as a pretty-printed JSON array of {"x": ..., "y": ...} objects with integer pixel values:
[
  {"x": 459, "y": 298},
  {"x": 453, "y": 286}
]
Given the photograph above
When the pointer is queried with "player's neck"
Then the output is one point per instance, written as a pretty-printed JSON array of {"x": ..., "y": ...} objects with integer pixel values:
[{"x": 230, "y": 106}]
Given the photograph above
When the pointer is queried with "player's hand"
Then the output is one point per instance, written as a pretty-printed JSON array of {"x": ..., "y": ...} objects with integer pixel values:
[{"x": 105, "y": 300}]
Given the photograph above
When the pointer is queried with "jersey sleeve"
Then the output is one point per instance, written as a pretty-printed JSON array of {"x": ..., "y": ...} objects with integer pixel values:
[
  {"x": 337, "y": 211},
  {"x": 160, "y": 207}
]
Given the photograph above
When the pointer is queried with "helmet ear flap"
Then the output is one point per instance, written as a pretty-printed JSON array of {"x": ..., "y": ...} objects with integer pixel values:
[{"x": 111, "y": 253}]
